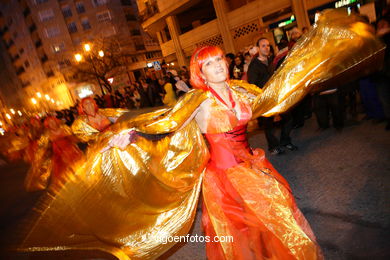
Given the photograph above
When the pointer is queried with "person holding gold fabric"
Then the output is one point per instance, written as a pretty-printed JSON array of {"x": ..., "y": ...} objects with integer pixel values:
[
  {"x": 92, "y": 120},
  {"x": 135, "y": 191},
  {"x": 56, "y": 156}
]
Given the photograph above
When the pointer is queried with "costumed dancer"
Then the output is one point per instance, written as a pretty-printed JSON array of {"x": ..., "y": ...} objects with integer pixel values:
[
  {"x": 127, "y": 199},
  {"x": 57, "y": 156},
  {"x": 34, "y": 133},
  {"x": 92, "y": 121}
]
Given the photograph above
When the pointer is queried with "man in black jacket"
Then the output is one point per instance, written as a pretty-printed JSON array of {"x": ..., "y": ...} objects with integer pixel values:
[{"x": 260, "y": 71}]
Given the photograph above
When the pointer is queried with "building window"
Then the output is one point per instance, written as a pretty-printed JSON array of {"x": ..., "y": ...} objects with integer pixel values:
[
  {"x": 38, "y": 2},
  {"x": 58, "y": 47},
  {"x": 38, "y": 43},
  {"x": 85, "y": 24},
  {"x": 66, "y": 12},
  {"x": 80, "y": 7},
  {"x": 26, "y": 64},
  {"x": 46, "y": 15},
  {"x": 26, "y": 12},
  {"x": 19, "y": 70},
  {"x": 44, "y": 58},
  {"x": 64, "y": 63},
  {"x": 72, "y": 27},
  {"x": 131, "y": 17},
  {"x": 99, "y": 2},
  {"x": 103, "y": 17},
  {"x": 52, "y": 32},
  {"x": 50, "y": 73},
  {"x": 32, "y": 28},
  {"x": 126, "y": 2},
  {"x": 135, "y": 32}
]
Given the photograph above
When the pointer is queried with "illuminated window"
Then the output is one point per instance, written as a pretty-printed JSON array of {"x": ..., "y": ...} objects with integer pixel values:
[
  {"x": 103, "y": 17},
  {"x": 46, "y": 15}
]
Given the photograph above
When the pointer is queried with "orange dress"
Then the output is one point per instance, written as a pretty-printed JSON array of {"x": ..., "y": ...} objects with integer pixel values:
[{"x": 246, "y": 199}]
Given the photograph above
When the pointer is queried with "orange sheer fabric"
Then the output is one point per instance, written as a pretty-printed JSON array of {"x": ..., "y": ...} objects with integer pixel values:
[{"x": 247, "y": 199}]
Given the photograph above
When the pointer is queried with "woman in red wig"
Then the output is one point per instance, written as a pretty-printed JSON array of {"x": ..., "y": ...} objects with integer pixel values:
[
  {"x": 92, "y": 120},
  {"x": 137, "y": 194}
]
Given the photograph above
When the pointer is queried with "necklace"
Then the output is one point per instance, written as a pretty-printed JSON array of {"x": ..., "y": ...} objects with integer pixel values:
[{"x": 233, "y": 103}]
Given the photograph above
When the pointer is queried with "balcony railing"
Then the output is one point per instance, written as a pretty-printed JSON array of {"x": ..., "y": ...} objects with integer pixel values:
[
  {"x": 139, "y": 47},
  {"x": 150, "y": 10}
]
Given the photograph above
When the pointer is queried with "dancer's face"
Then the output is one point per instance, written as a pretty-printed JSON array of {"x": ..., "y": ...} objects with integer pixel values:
[
  {"x": 214, "y": 70},
  {"x": 52, "y": 124},
  {"x": 89, "y": 108}
]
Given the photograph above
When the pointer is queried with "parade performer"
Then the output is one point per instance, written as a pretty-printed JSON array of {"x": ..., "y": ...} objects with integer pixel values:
[
  {"x": 92, "y": 120},
  {"x": 33, "y": 134},
  {"x": 143, "y": 183},
  {"x": 56, "y": 157}
]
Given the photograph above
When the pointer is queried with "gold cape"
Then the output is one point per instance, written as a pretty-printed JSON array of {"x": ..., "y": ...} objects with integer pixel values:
[
  {"x": 123, "y": 201},
  {"x": 85, "y": 132}
]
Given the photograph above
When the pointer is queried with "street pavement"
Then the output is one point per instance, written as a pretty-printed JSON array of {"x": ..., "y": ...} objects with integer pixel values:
[{"x": 340, "y": 180}]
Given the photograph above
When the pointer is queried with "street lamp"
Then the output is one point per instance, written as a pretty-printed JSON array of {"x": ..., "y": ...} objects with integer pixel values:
[
  {"x": 19, "y": 113},
  {"x": 79, "y": 58},
  {"x": 39, "y": 94},
  {"x": 87, "y": 47},
  {"x": 34, "y": 101},
  {"x": 47, "y": 97},
  {"x": 8, "y": 116},
  {"x": 12, "y": 111}
]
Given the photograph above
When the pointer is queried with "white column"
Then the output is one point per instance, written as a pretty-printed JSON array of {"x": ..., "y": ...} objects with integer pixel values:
[
  {"x": 221, "y": 11},
  {"x": 174, "y": 30}
]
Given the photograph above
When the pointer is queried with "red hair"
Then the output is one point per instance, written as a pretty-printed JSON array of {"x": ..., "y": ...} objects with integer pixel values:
[
  {"x": 81, "y": 109},
  {"x": 197, "y": 60}
]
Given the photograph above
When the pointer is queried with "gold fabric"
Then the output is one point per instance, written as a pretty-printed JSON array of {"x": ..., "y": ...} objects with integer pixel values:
[
  {"x": 123, "y": 201},
  {"x": 339, "y": 48},
  {"x": 37, "y": 177},
  {"x": 85, "y": 132}
]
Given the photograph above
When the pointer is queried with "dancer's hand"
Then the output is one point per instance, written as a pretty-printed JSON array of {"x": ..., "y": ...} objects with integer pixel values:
[{"x": 121, "y": 141}]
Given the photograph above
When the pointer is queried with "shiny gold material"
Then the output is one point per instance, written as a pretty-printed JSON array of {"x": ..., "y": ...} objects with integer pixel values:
[
  {"x": 85, "y": 132},
  {"x": 37, "y": 177},
  {"x": 123, "y": 201},
  {"x": 339, "y": 46}
]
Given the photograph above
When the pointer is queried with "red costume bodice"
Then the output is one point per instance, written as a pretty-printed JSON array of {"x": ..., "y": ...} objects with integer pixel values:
[{"x": 225, "y": 148}]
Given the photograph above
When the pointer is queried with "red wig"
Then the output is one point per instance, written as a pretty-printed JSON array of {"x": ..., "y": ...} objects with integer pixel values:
[
  {"x": 34, "y": 119},
  {"x": 81, "y": 104},
  {"x": 197, "y": 60},
  {"x": 47, "y": 120}
]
